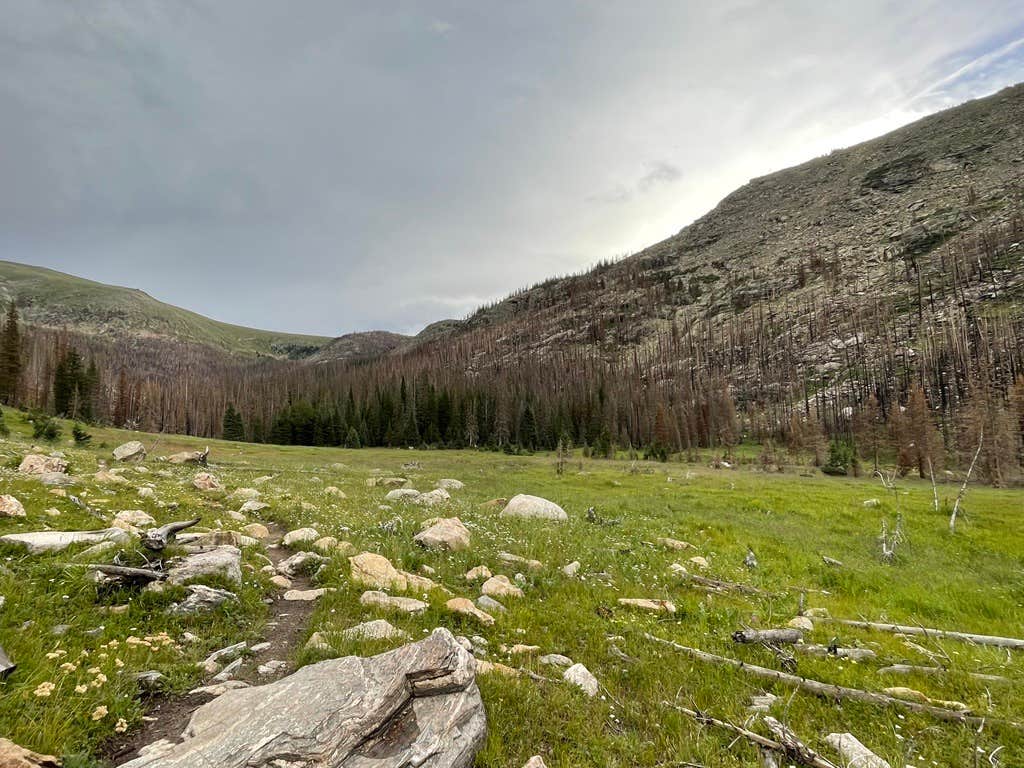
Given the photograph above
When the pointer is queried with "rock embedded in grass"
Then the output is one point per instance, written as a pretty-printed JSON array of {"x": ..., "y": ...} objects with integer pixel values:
[
  {"x": 533, "y": 507},
  {"x": 257, "y": 531},
  {"x": 135, "y": 517},
  {"x": 535, "y": 762},
  {"x": 571, "y": 569},
  {"x": 384, "y": 601},
  {"x": 305, "y": 595},
  {"x": 373, "y": 570},
  {"x": 646, "y": 604},
  {"x": 56, "y": 541},
  {"x": 465, "y": 607},
  {"x": 299, "y": 562},
  {"x": 445, "y": 534},
  {"x": 509, "y": 559},
  {"x": 674, "y": 544},
  {"x": 300, "y": 536},
  {"x": 402, "y": 494},
  {"x": 37, "y": 464},
  {"x": 378, "y": 629},
  {"x": 802, "y": 623},
  {"x": 556, "y": 660},
  {"x": 131, "y": 451},
  {"x": 11, "y": 507},
  {"x": 489, "y": 604},
  {"x": 582, "y": 678},
  {"x": 201, "y": 599},
  {"x": 450, "y": 484},
  {"x": 204, "y": 481},
  {"x": 253, "y": 506},
  {"x": 224, "y": 561},
  {"x": 15, "y": 756},
  {"x": 479, "y": 573},
  {"x": 433, "y": 498},
  {"x": 500, "y": 586}
]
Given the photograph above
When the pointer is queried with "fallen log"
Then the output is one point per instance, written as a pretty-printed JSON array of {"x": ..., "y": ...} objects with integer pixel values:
[
  {"x": 942, "y": 634},
  {"x": 157, "y": 539},
  {"x": 853, "y": 752},
  {"x": 767, "y": 636},
  {"x": 812, "y": 759},
  {"x": 853, "y": 654},
  {"x": 6, "y": 665},
  {"x": 910, "y": 669},
  {"x": 824, "y": 690},
  {"x": 795, "y": 749},
  {"x": 126, "y": 572},
  {"x": 719, "y": 586}
]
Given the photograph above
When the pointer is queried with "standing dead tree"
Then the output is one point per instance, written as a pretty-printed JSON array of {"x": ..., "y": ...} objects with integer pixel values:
[{"x": 967, "y": 479}]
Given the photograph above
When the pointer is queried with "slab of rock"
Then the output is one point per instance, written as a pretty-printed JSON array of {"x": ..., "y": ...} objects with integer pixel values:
[
  {"x": 11, "y": 507},
  {"x": 55, "y": 478},
  {"x": 465, "y": 607},
  {"x": 37, "y": 464},
  {"x": 304, "y": 595},
  {"x": 223, "y": 561},
  {"x": 217, "y": 690},
  {"x": 556, "y": 660},
  {"x": 415, "y": 705},
  {"x": 378, "y": 629},
  {"x": 450, "y": 484},
  {"x": 13, "y": 756},
  {"x": 57, "y": 541},
  {"x": 204, "y": 481},
  {"x": 432, "y": 498},
  {"x": 571, "y": 569},
  {"x": 377, "y": 599},
  {"x": 258, "y": 531},
  {"x": 674, "y": 544},
  {"x": 110, "y": 478},
  {"x": 802, "y": 623},
  {"x": 252, "y": 507},
  {"x": 500, "y": 586},
  {"x": 645, "y": 604},
  {"x": 300, "y": 536},
  {"x": 533, "y": 507},
  {"x": 510, "y": 559},
  {"x": 131, "y": 451},
  {"x": 402, "y": 494},
  {"x": 386, "y": 482},
  {"x": 581, "y": 677},
  {"x": 201, "y": 599},
  {"x": 446, "y": 534},
  {"x": 373, "y": 570},
  {"x": 299, "y": 562},
  {"x": 489, "y": 604}
]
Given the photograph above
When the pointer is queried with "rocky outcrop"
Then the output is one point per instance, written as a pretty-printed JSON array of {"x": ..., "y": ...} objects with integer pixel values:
[{"x": 415, "y": 705}]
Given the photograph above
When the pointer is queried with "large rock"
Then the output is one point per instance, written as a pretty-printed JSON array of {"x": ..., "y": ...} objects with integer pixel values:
[
  {"x": 11, "y": 507},
  {"x": 130, "y": 451},
  {"x": 450, "y": 484},
  {"x": 524, "y": 505},
  {"x": 430, "y": 498},
  {"x": 402, "y": 494},
  {"x": 37, "y": 464},
  {"x": 300, "y": 536},
  {"x": 500, "y": 586},
  {"x": 299, "y": 562},
  {"x": 376, "y": 599},
  {"x": 416, "y": 705},
  {"x": 376, "y": 571},
  {"x": 223, "y": 561},
  {"x": 204, "y": 481},
  {"x": 378, "y": 629},
  {"x": 448, "y": 533},
  {"x": 56, "y": 541},
  {"x": 13, "y": 756}
]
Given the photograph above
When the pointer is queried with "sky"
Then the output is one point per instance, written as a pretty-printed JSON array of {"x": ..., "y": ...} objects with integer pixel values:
[{"x": 330, "y": 166}]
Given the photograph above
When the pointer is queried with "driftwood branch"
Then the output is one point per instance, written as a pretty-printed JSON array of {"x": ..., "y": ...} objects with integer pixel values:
[
  {"x": 806, "y": 758},
  {"x": 911, "y": 669},
  {"x": 767, "y": 636},
  {"x": 942, "y": 634},
  {"x": 157, "y": 539},
  {"x": 967, "y": 479},
  {"x": 125, "y": 572},
  {"x": 824, "y": 690}
]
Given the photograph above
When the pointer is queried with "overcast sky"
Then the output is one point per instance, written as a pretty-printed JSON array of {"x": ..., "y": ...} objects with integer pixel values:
[{"x": 327, "y": 166}]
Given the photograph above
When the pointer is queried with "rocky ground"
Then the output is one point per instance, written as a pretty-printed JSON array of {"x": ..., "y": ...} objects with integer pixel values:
[{"x": 463, "y": 608}]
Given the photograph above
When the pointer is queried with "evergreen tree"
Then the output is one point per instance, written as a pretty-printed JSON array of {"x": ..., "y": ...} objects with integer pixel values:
[
  {"x": 234, "y": 428},
  {"x": 10, "y": 356}
]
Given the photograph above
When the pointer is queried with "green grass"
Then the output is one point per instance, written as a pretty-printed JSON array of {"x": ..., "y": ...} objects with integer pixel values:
[
  {"x": 971, "y": 581},
  {"x": 55, "y": 299}
]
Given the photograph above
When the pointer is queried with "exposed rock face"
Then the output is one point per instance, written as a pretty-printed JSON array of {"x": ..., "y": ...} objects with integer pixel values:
[
  {"x": 526, "y": 506},
  {"x": 37, "y": 464},
  {"x": 131, "y": 451},
  {"x": 447, "y": 533},
  {"x": 57, "y": 541},
  {"x": 223, "y": 561},
  {"x": 377, "y": 571},
  {"x": 11, "y": 507},
  {"x": 204, "y": 481},
  {"x": 416, "y": 705}
]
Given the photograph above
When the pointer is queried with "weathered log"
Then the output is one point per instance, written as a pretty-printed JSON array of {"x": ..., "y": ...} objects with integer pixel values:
[
  {"x": 157, "y": 539},
  {"x": 853, "y": 752},
  {"x": 768, "y": 636},
  {"x": 831, "y": 561},
  {"x": 942, "y": 634},
  {"x": 6, "y": 665},
  {"x": 795, "y": 749},
  {"x": 854, "y": 654},
  {"x": 815, "y": 762},
  {"x": 126, "y": 572},
  {"x": 717, "y": 585},
  {"x": 910, "y": 669},
  {"x": 824, "y": 690}
]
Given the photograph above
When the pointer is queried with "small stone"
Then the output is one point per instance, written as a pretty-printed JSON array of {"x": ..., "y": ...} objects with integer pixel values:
[
  {"x": 465, "y": 607},
  {"x": 450, "y": 484},
  {"x": 481, "y": 572},
  {"x": 300, "y": 536},
  {"x": 571, "y": 569},
  {"x": 378, "y": 629},
  {"x": 332, "y": 490},
  {"x": 581, "y": 677},
  {"x": 510, "y": 559},
  {"x": 555, "y": 660},
  {"x": 272, "y": 667},
  {"x": 245, "y": 494},
  {"x": 257, "y": 531},
  {"x": 699, "y": 562},
  {"x": 11, "y": 507},
  {"x": 402, "y": 494},
  {"x": 298, "y": 563},
  {"x": 135, "y": 517},
  {"x": 489, "y": 604},
  {"x": 253, "y": 506},
  {"x": 674, "y": 544},
  {"x": 520, "y": 650},
  {"x": 260, "y": 647},
  {"x": 500, "y": 586},
  {"x": 433, "y": 498},
  {"x": 304, "y": 595},
  {"x": 201, "y": 599},
  {"x": 535, "y": 762},
  {"x": 325, "y": 543},
  {"x": 204, "y": 481},
  {"x": 384, "y": 601},
  {"x": 131, "y": 451},
  {"x": 374, "y": 570},
  {"x": 802, "y": 623},
  {"x": 645, "y": 604},
  {"x": 446, "y": 534}
]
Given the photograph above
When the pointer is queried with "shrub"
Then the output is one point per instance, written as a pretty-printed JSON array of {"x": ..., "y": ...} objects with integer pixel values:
[
  {"x": 81, "y": 437},
  {"x": 45, "y": 428}
]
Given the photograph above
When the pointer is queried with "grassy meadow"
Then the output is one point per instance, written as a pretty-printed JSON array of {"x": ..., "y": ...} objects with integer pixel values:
[{"x": 61, "y": 629}]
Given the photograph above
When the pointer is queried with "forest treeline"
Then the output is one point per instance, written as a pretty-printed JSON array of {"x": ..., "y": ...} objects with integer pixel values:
[{"x": 923, "y": 372}]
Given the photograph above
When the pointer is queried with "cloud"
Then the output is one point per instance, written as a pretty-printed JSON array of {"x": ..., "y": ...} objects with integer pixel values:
[{"x": 339, "y": 170}]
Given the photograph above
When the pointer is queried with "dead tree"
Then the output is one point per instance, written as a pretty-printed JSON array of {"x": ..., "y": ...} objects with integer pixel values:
[
  {"x": 967, "y": 479},
  {"x": 157, "y": 539}
]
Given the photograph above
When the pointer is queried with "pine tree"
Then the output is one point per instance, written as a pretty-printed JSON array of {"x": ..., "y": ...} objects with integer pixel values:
[
  {"x": 10, "y": 356},
  {"x": 233, "y": 427}
]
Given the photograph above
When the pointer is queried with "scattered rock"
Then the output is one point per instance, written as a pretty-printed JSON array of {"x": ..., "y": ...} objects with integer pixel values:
[
  {"x": 304, "y": 595},
  {"x": 465, "y": 607},
  {"x": 674, "y": 544},
  {"x": 699, "y": 562},
  {"x": 645, "y": 604},
  {"x": 510, "y": 559},
  {"x": 402, "y": 494},
  {"x": 526, "y": 506},
  {"x": 281, "y": 582},
  {"x": 386, "y": 482},
  {"x": 57, "y": 541},
  {"x": 384, "y": 601},
  {"x": 432, "y": 498},
  {"x": 378, "y": 629},
  {"x": 450, "y": 484},
  {"x": 109, "y": 478},
  {"x": 252, "y": 506},
  {"x": 272, "y": 667},
  {"x": 555, "y": 660},
  {"x": 325, "y": 543},
  {"x": 500, "y": 586},
  {"x": 869, "y": 503},
  {"x": 415, "y": 705},
  {"x": 257, "y": 531},
  {"x": 201, "y": 599},
  {"x": 189, "y": 457},
  {"x": 135, "y": 517},
  {"x": 299, "y": 562},
  {"x": 332, "y": 490},
  {"x": 535, "y": 762},
  {"x": 204, "y": 481},
  {"x": 446, "y": 534},
  {"x": 581, "y": 677},
  {"x": 762, "y": 702},
  {"x": 223, "y": 561},
  {"x": 374, "y": 570},
  {"x": 300, "y": 536},
  {"x": 131, "y": 451},
  {"x": 481, "y": 572},
  {"x": 13, "y": 756},
  {"x": 245, "y": 494},
  {"x": 521, "y": 650},
  {"x": 802, "y": 623},
  {"x": 571, "y": 569},
  {"x": 489, "y": 604},
  {"x": 37, "y": 464},
  {"x": 11, "y": 507},
  {"x": 318, "y": 643}
]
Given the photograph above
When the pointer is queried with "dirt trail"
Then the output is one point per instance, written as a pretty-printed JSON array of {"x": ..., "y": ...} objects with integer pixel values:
[{"x": 285, "y": 630}]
